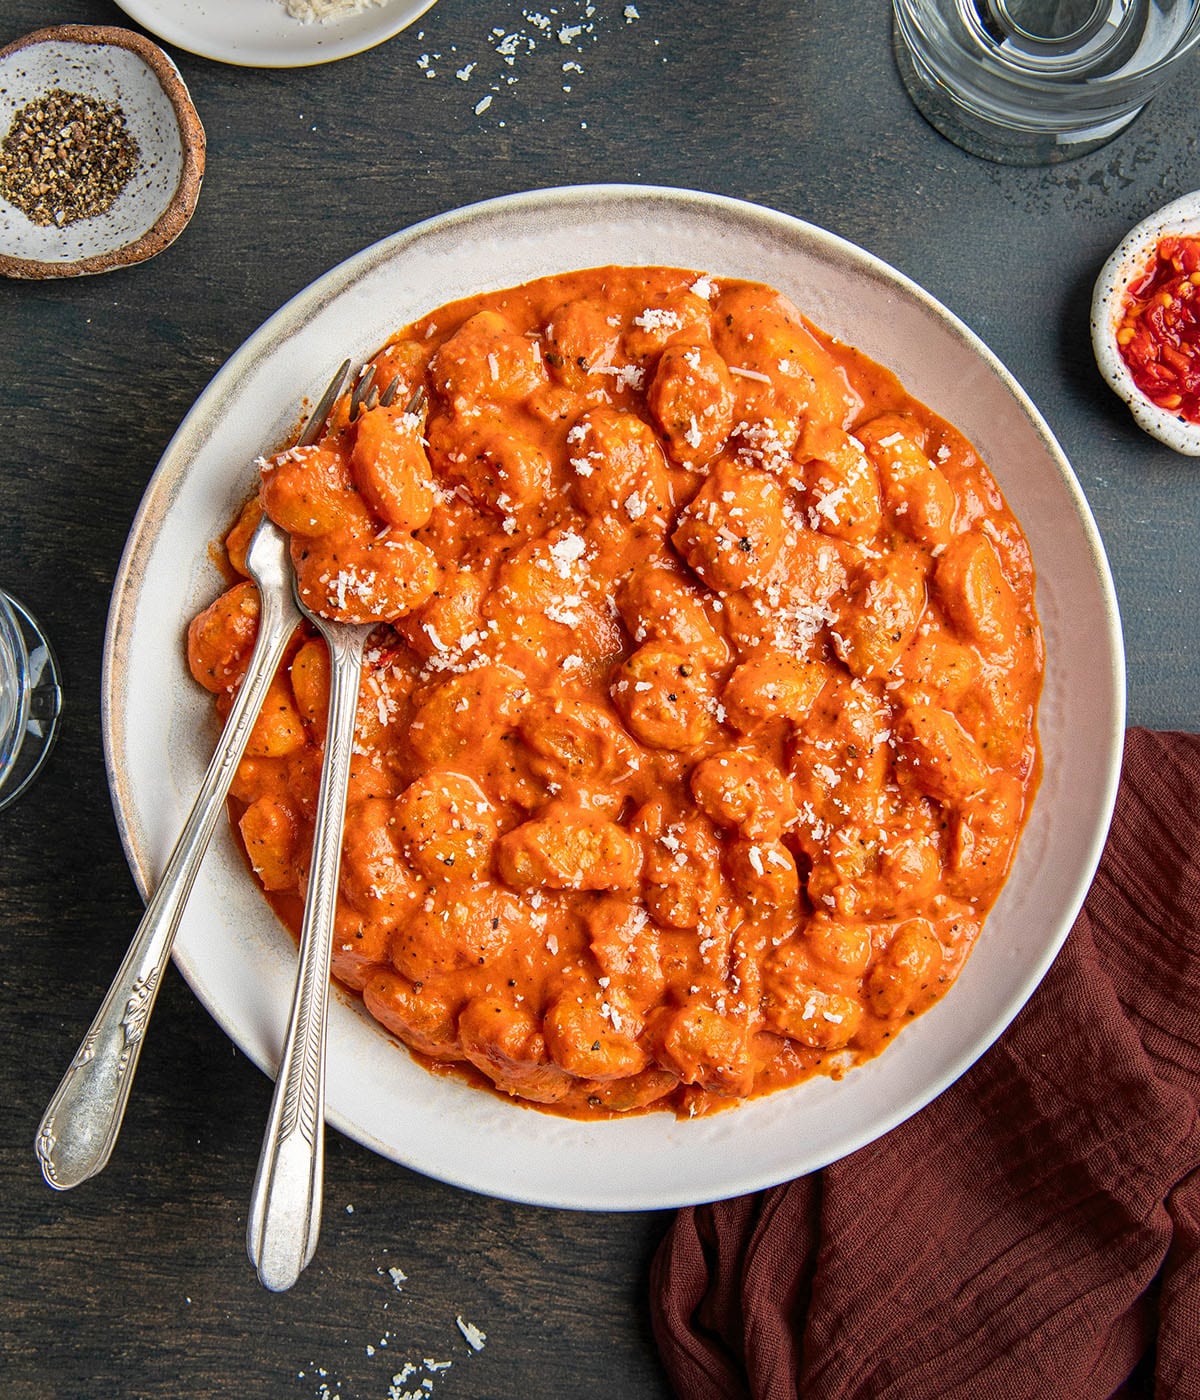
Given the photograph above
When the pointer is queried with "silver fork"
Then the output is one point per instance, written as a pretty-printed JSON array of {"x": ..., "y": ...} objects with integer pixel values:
[
  {"x": 284, "y": 1220},
  {"x": 80, "y": 1126}
]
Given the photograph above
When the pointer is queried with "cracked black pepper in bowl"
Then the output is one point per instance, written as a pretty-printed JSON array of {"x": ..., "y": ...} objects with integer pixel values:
[{"x": 101, "y": 152}]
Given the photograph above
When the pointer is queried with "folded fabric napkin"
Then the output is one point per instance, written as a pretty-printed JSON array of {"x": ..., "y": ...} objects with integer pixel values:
[{"x": 1035, "y": 1231}]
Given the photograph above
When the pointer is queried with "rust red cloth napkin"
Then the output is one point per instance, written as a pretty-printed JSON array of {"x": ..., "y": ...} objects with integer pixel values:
[{"x": 1035, "y": 1231}]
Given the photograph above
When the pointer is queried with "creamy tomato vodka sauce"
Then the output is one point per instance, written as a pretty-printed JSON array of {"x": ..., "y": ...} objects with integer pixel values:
[{"x": 699, "y": 730}]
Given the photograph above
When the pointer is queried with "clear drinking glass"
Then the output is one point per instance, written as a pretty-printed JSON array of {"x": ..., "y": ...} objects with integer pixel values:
[
  {"x": 1031, "y": 82},
  {"x": 30, "y": 698}
]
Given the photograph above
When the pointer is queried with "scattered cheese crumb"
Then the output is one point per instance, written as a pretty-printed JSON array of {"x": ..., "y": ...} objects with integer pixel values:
[{"x": 475, "y": 1338}]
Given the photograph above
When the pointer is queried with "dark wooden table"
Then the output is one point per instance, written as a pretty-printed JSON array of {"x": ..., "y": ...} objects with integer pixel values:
[{"x": 137, "y": 1284}]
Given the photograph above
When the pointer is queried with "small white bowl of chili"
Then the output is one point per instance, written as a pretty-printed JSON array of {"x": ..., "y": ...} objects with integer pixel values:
[
  {"x": 1146, "y": 323},
  {"x": 101, "y": 152}
]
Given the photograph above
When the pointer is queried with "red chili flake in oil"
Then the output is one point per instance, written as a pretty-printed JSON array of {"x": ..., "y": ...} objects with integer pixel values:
[{"x": 1159, "y": 333}]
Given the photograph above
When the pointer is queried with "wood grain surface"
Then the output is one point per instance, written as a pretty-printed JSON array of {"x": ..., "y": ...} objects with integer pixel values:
[{"x": 136, "y": 1284}]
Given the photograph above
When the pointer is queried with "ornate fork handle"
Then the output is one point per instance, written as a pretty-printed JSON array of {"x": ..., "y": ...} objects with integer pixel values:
[
  {"x": 285, "y": 1205},
  {"x": 80, "y": 1126}
]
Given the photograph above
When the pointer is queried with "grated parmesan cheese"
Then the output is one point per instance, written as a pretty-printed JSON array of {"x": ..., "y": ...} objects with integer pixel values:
[
  {"x": 322, "y": 11},
  {"x": 474, "y": 1337}
]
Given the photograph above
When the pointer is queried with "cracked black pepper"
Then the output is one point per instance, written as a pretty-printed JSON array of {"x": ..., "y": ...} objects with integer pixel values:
[{"x": 66, "y": 157}]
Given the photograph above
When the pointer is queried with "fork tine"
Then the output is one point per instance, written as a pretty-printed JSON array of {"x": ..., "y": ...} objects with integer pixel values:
[
  {"x": 361, "y": 390},
  {"x": 316, "y": 421},
  {"x": 388, "y": 397}
]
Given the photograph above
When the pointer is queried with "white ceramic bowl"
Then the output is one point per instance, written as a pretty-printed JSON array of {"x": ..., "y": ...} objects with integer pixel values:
[
  {"x": 262, "y": 34},
  {"x": 1129, "y": 261},
  {"x": 159, "y": 727},
  {"x": 114, "y": 66}
]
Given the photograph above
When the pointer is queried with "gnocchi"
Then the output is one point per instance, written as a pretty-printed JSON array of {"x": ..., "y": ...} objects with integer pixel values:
[{"x": 698, "y": 728}]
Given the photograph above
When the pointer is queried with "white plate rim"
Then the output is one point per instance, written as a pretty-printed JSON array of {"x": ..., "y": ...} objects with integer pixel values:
[
  {"x": 290, "y": 43},
  {"x": 715, "y": 1139}
]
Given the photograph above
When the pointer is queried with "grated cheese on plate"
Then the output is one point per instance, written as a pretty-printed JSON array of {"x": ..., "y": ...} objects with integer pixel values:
[{"x": 308, "y": 11}]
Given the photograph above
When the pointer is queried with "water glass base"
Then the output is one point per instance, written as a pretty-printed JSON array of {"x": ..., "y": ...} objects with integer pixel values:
[
  {"x": 44, "y": 706},
  {"x": 981, "y": 136}
]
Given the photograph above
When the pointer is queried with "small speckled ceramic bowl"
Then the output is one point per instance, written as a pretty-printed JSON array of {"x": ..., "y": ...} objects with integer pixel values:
[
  {"x": 1128, "y": 263},
  {"x": 115, "y": 66}
]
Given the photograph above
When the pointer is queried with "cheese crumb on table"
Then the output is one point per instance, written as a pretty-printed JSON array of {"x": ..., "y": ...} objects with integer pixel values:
[{"x": 475, "y": 1338}]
